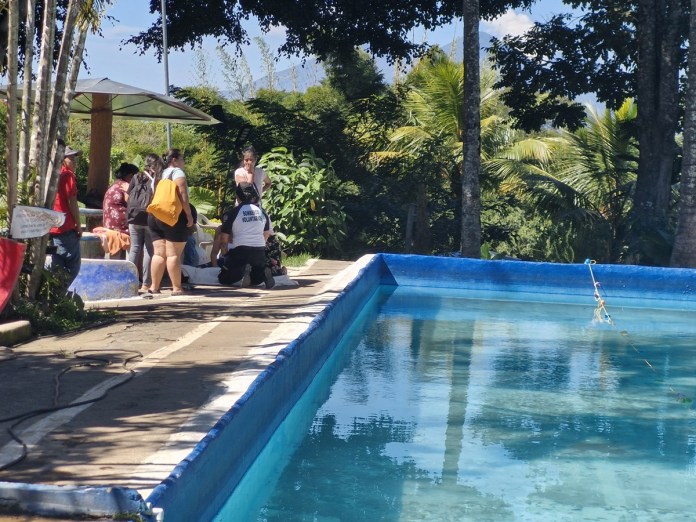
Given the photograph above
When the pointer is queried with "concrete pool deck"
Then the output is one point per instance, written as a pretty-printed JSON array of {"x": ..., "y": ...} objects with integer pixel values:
[{"x": 196, "y": 355}]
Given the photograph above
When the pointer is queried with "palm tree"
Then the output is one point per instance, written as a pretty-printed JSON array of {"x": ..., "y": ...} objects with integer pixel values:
[
  {"x": 429, "y": 142},
  {"x": 434, "y": 130},
  {"x": 585, "y": 178}
]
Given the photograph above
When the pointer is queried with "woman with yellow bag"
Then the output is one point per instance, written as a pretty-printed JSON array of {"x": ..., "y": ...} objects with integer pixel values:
[{"x": 169, "y": 233}]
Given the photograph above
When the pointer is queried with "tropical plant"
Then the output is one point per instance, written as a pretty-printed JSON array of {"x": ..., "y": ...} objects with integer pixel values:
[
  {"x": 584, "y": 178},
  {"x": 429, "y": 145},
  {"x": 433, "y": 135},
  {"x": 301, "y": 202},
  {"x": 205, "y": 200},
  {"x": 636, "y": 50}
]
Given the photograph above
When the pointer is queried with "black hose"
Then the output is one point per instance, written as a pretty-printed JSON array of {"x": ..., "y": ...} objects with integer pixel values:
[{"x": 91, "y": 361}]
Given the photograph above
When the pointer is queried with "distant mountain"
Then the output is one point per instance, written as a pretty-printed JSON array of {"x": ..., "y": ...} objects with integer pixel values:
[{"x": 302, "y": 76}]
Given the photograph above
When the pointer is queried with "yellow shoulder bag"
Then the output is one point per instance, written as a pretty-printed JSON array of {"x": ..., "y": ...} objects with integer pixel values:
[{"x": 165, "y": 204}]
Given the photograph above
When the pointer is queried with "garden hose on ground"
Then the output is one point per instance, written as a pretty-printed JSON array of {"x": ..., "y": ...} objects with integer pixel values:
[{"x": 89, "y": 359}]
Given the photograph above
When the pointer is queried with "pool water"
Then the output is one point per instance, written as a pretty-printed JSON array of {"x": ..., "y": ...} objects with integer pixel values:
[{"x": 440, "y": 406}]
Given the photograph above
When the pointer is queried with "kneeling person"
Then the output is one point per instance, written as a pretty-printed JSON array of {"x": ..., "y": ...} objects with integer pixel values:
[{"x": 246, "y": 231}]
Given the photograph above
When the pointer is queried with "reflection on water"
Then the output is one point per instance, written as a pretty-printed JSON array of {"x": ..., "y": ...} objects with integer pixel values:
[{"x": 445, "y": 408}]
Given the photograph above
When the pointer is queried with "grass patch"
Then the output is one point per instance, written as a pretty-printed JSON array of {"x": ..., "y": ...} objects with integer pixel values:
[
  {"x": 53, "y": 312},
  {"x": 297, "y": 261},
  {"x": 60, "y": 316}
]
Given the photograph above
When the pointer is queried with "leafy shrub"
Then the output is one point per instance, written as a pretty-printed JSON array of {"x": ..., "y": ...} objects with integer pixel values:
[
  {"x": 205, "y": 200},
  {"x": 301, "y": 202}
]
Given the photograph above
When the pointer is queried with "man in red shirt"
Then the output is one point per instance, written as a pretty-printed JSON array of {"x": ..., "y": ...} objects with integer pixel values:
[{"x": 66, "y": 238}]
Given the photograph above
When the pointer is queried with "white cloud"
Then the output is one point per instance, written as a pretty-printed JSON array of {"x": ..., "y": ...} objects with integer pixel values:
[
  {"x": 510, "y": 23},
  {"x": 277, "y": 30}
]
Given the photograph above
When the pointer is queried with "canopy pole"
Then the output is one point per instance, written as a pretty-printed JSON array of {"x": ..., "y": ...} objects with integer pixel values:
[
  {"x": 165, "y": 59},
  {"x": 99, "y": 170}
]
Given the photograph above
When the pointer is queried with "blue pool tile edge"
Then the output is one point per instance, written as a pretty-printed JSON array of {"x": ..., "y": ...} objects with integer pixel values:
[
  {"x": 623, "y": 285},
  {"x": 238, "y": 437},
  {"x": 71, "y": 501}
]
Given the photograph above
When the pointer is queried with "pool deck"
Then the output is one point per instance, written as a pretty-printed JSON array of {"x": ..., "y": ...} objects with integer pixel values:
[{"x": 196, "y": 355}]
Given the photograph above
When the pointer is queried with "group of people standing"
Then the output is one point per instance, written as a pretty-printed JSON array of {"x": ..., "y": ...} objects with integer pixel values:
[{"x": 155, "y": 246}]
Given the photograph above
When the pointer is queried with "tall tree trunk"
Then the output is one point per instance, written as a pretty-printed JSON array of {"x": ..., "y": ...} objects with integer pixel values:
[
  {"x": 471, "y": 166},
  {"x": 38, "y": 153},
  {"x": 69, "y": 62},
  {"x": 657, "y": 97},
  {"x": 25, "y": 131},
  {"x": 37, "y": 147},
  {"x": 12, "y": 59},
  {"x": 421, "y": 243},
  {"x": 684, "y": 252},
  {"x": 56, "y": 110}
]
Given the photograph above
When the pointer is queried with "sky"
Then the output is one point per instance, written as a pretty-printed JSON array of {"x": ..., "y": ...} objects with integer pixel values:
[{"x": 106, "y": 57}]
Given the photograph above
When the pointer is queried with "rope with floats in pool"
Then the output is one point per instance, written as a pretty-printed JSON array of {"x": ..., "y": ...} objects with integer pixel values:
[{"x": 601, "y": 315}]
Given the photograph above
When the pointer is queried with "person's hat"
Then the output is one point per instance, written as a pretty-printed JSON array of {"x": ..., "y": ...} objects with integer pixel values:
[
  {"x": 71, "y": 152},
  {"x": 247, "y": 192}
]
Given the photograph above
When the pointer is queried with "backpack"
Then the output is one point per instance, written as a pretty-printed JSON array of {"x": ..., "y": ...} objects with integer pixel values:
[
  {"x": 139, "y": 197},
  {"x": 165, "y": 204}
]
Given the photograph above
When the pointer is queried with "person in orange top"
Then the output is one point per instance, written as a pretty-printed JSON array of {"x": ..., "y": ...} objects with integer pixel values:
[{"x": 66, "y": 238}]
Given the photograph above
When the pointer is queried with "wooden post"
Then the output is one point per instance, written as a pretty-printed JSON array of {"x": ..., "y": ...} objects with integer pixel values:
[{"x": 100, "y": 144}]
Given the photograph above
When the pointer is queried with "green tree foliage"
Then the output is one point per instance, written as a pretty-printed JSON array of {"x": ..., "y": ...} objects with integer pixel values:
[
  {"x": 582, "y": 182},
  {"x": 354, "y": 75},
  {"x": 430, "y": 142},
  {"x": 630, "y": 50},
  {"x": 335, "y": 29},
  {"x": 222, "y": 143},
  {"x": 302, "y": 202},
  {"x": 313, "y": 26}
]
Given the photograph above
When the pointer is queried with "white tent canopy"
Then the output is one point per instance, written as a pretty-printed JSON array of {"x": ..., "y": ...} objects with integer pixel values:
[
  {"x": 102, "y": 99},
  {"x": 94, "y": 95}
]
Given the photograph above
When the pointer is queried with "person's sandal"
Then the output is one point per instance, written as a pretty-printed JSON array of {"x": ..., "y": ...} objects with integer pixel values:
[{"x": 150, "y": 294}]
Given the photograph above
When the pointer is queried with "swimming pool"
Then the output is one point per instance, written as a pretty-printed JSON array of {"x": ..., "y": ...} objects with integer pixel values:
[
  {"x": 224, "y": 457},
  {"x": 441, "y": 406}
]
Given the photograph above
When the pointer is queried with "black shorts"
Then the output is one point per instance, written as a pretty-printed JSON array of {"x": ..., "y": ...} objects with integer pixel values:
[{"x": 178, "y": 233}]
